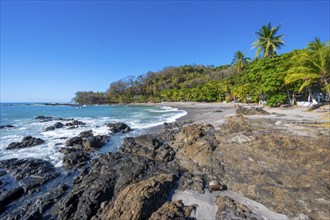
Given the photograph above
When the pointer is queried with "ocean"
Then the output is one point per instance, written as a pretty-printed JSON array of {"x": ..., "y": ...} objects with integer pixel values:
[{"x": 22, "y": 116}]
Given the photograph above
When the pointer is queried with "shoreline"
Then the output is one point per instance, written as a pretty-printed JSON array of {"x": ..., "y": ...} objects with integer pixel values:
[
  {"x": 215, "y": 113},
  {"x": 211, "y": 163}
]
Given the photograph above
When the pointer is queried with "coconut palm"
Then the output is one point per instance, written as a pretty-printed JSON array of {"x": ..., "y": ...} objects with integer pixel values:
[
  {"x": 267, "y": 41},
  {"x": 311, "y": 65},
  {"x": 240, "y": 61}
]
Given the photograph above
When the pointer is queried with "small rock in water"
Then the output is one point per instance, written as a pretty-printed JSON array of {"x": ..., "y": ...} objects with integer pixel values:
[
  {"x": 27, "y": 141},
  {"x": 6, "y": 126},
  {"x": 119, "y": 127}
]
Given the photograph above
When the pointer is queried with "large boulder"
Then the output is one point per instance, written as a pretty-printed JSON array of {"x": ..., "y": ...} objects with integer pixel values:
[
  {"x": 149, "y": 146},
  {"x": 88, "y": 141},
  {"x": 140, "y": 200},
  {"x": 74, "y": 157},
  {"x": 118, "y": 127},
  {"x": 27, "y": 141}
]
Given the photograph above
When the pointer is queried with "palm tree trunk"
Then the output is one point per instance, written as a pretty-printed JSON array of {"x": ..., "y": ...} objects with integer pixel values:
[{"x": 327, "y": 89}]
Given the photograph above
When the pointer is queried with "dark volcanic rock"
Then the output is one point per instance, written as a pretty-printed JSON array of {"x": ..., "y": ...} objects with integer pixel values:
[
  {"x": 9, "y": 190},
  {"x": 30, "y": 174},
  {"x": 85, "y": 134},
  {"x": 118, "y": 127},
  {"x": 36, "y": 209},
  {"x": 74, "y": 157},
  {"x": 148, "y": 146},
  {"x": 93, "y": 142},
  {"x": 55, "y": 126},
  {"x": 50, "y": 128},
  {"x": 87, "y": 140},
  {"x": 87, "y": 194},
  {"x": 28, "y": 141},
  {"x": 74, "y": 123},
  {"x": 94, "y": 191},
  {"x": 44, "y": 118},
  {"x": 74, "y": 141},
  {"x": 6, "y": 126}
]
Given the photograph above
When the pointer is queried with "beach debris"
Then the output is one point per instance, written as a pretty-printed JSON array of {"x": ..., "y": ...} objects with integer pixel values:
[{"x": 27, "y": 141}]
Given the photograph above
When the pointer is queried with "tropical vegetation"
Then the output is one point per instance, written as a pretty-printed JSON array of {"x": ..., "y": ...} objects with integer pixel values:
[
  {"x": 267, "y": 41},
  {"x": 278, "y": 79}
]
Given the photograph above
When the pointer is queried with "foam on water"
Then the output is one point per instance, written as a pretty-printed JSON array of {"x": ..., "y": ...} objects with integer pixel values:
[{"x": 95, "y": 117}]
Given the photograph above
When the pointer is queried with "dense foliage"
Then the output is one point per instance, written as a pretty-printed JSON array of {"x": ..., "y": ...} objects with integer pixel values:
[{"x": 274, "y": 78}]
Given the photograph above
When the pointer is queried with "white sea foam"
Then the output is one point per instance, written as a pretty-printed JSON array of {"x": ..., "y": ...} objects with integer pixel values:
[{"x": 54, "y": 140}]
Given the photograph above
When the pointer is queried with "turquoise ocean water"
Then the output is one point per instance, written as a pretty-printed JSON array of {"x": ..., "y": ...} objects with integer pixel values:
[{"x": 22, "y": 116}]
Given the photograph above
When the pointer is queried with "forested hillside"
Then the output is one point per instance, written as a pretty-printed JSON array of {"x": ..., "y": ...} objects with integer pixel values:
[{"x": 274, "y": 78}]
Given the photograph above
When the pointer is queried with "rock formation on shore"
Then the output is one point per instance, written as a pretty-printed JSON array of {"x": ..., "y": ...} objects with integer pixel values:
[{"x": 283, "y": 166}]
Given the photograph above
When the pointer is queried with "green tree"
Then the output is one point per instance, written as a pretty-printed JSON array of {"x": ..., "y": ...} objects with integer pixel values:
[
  {"x": 240, "y": 61},
  {"x": 267, "y": 41},
  {"x": 311, "y": 65}
]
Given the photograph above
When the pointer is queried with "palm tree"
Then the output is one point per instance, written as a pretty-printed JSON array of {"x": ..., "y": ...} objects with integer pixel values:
[
  {"x": 240, "y": 61},
  {"x": 267, "y": 41},
  {"x": 311, "y": 65}
]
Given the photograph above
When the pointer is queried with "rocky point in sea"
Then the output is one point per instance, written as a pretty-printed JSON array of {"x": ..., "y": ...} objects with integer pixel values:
[{"x": 240, "y": 165}]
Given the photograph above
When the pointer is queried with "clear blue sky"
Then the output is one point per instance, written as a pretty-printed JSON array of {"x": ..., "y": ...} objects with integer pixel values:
[{"x": 51, "y": 49}]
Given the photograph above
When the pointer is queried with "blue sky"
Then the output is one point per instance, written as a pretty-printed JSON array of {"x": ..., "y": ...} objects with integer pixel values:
[{"x": 51, "y": 49}]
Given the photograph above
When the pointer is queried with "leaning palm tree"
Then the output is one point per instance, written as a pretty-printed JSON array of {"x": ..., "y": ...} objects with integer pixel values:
[
  {"x": 240, "y": 61},
  {"x": 267, "y": 41},
  {"x": 311, "y": 65}
]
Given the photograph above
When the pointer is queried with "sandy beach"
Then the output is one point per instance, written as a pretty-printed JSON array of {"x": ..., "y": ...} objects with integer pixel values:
[{"x": 215, "y": 113}]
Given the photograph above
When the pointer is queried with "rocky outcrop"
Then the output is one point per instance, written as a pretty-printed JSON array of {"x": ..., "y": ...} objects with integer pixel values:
[
  {"x": 27, "y": 141},
  {"x": 194, "y": 146},
  {"x": 23, "y": 176},
  {"x": 76, "y": 153},
  {"x": 74, "y": 157},
  {"x": 250, "y": 111},
  {"x": 278, "y": 166},
  {"x": 118, "y": 127},
  {"x": 74, "y": 123},
  {"x": 149, "y": 146},
  {"x": 36, "y": 208},
  {"x": 55, "y": 126},
  {"x": 87, "y": 140},
  {"x": 140, "y": 200},
  {"x": 173, "y": 210},
  {"x": 6, "y": 126},
  {"x": 42, "y": 118}
]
